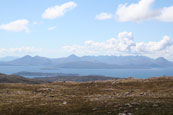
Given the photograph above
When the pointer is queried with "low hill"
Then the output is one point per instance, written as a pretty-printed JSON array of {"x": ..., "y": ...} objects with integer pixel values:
[
  {"x": 51, "y": 77},
  {"x": 76, "y": 78},
  {"x": 42, "y": 74},
  {"x": 18, "y": 79}
]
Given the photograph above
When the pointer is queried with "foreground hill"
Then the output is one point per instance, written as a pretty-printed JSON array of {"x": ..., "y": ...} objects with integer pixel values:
[
  {"x": 76, "y": 78},
  {"x": 152, "y": 96},
  {"x": 42, "y": 74},
  {"x": 17, "y": 79},
  {"x": 52, "y": 77}
]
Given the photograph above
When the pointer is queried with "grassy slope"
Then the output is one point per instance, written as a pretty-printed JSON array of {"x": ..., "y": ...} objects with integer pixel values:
[
  {"x": 75, "y": 78},
  {"x": 18, "y": 79},
  {"x": 139, "y": 97}
]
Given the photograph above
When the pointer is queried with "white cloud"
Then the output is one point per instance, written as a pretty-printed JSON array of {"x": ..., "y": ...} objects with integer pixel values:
[
  {"x": 136, "y": 12},
  {"x": 166, "y": 14},
  {"x": 123, "y": 45},
  {"x": 103, "y": 16},
  {"x": 58, "y": 11},
  {"x": 35, "y": 22},
  {"x": 154, "y": 46},
  {"x": 16, "y": 26},
  {"x": 143, "y": 11},
  {"x": 20, "y": 50},
  {"x": 52, "y": 28}
]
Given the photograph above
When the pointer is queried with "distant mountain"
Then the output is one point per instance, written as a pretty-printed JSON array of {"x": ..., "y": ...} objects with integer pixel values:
[
  {"x": 93, "y": 62},
  {"x": 110, "y": 62},
  {"x": 86, "y": 64},
  {"x": 163, "y": 62},
  {"x": 31, "y": 61}
]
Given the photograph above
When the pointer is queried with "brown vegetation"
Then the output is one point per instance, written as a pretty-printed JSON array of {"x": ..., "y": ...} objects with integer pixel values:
[{"x": 152, "y": 96}]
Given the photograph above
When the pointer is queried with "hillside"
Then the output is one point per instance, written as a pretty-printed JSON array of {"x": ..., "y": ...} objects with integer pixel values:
[
  {"x": 42, "y": 74},
  {"x": 18, "y": 79},
  {"x": 76, "y": 78},
  {"x": 51, "y": 77},
  {"x": 152, "y": 96}
]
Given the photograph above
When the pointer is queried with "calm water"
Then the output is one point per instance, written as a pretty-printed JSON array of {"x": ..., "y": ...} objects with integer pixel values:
[{"x": 138, "y": 73}]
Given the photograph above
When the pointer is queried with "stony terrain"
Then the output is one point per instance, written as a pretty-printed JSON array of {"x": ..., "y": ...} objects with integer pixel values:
[{"x": 152, "y": 96}]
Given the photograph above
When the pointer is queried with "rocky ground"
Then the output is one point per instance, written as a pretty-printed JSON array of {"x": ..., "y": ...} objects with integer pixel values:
[{"x": 152, "y": 96}]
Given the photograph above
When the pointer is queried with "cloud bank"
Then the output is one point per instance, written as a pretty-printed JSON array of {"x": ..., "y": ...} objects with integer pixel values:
[
  {"x": 103, "y": 16},
  {"x": 123, "y": 45},
  {"x": 136, "y": 12},
  {"x": 58, "y": 11},
  {"x": 142, "y": 11},
  {"x": 16, "y": 26},
  {"x": 19, "y": 50},
  {"x": 52, "y": 28}
]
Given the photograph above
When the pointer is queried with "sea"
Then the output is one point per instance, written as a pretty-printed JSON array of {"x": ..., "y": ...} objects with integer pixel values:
[{"x": 121, "y": 73}]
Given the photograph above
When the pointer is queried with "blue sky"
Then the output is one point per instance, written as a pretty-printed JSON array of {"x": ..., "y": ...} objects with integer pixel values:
[{"x": 86, "y": 27}]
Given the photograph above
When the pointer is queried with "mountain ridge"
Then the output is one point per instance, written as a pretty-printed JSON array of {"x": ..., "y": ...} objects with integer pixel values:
[{"x": 92, "y": 62}]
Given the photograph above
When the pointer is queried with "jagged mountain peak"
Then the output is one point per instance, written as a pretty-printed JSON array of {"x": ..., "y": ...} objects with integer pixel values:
[
  {"x": 73, "y": 56},
  {"x": 27, "y": 56},
  {"x": 162, "y": 59}
]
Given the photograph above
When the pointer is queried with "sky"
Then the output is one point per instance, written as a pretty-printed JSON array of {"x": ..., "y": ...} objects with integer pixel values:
[{"x": 58, "y": 28}]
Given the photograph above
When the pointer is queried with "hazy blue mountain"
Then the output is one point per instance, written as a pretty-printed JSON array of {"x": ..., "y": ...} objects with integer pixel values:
[
  {"x": 86, "y": 64},
  {"x": 92, "y": 62},
  {"x": 163, "y": 62},
  {"x": 119, "y": 60},
  {"x": 69, "y": 59},
  {"x": 111, "y": 62},
  {"x": 30, "y": 61}
]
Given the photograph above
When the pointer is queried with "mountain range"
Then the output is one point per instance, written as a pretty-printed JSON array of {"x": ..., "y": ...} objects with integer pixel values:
[{"x": 91, "y": 62}]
